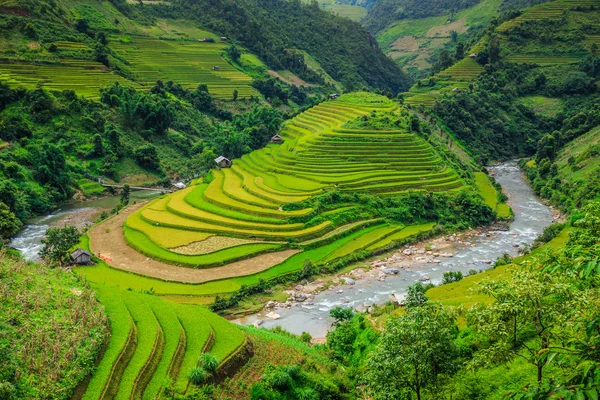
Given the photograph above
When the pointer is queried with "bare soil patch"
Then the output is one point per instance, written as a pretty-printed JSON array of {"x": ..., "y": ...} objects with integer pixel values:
[
  {"x": 444, "y": 30},
  {"x": 107, "y": 239},
  {"x": 289, "y": 78},
  {"x": 407, "y": 43}
]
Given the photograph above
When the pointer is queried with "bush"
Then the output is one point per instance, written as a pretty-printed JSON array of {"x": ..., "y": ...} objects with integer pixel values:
[
  {"x": 198, "y": 376},
  {"x": 209, "y": 362},
  {"x": 452, "y": 276}
]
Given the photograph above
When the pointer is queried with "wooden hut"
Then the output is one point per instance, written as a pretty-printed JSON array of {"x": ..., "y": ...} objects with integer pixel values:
[
  {"x": 277, "y": 139},
  {"x": 223, "y": 162},
  {"x": 81, "y": 256}
]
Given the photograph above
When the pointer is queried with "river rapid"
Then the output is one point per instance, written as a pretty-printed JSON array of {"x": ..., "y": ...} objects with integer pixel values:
[
  {"x": 29, "y": 240},
  {"x": 531, "y": 216}
]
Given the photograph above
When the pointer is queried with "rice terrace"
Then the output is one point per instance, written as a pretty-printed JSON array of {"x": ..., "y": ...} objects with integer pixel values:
[{"x": 299, "y": 200}]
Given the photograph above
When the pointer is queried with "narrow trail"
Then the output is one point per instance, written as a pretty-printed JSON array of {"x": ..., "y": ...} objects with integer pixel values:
[{"x": 108, "y": 239}]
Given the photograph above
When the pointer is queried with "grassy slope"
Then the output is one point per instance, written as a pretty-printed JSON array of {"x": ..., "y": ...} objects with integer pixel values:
[
  {"x": 476, "y": 16},
  {"x": 52, "y": 330}
]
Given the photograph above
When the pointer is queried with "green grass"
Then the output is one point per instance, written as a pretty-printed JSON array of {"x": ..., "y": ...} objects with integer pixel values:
[
  {"x": 89, "y": 187},
  {"x": 147, "y": 328},
  {"x": 228, "y": 337},
  {"x": 197, "y": 329},
  {"x": 402, "y": 234},
  {"x": 362, "y": 242},
  {"x": 545, "y": 106},
  {"x": 490, "y": 195},
  {"x": 168, "y": 320},
  {"x": 120, "y": 325}
]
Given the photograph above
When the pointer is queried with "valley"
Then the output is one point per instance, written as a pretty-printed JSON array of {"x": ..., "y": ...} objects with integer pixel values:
[{"x": 387, "y": 199}]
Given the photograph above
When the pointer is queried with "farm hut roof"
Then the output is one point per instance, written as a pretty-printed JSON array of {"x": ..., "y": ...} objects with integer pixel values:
[
  {"x": 79, "y": 252},
  {"x": 221, "y": 158}
]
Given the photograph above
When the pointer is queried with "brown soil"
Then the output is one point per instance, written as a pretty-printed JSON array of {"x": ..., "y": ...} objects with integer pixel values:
[
  {"x": 290, "y": 79},
  {"x": 108, "y": 240},
  {"x": 407, "y": 43},
  {"x": 444, "y": 30}
]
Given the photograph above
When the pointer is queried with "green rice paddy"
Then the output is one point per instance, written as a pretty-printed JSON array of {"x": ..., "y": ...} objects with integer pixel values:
[{"x": 185, "y": 61}]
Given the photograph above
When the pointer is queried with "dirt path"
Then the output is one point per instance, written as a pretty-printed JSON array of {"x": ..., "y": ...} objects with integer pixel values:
[{"x": 112, "y": 246}]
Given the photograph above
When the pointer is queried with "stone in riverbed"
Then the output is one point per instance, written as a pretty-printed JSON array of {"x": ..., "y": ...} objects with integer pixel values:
[
  {"x": 424, "y": 278},
  {"x": 273, "y": 315},
  {"x": 349, "y": 281},
  {"x": 258, "y": 323},
  {"x": 392, "y": 271},
  {"x": 300, "y": 297},
  {"x": 271, "y": 304}
]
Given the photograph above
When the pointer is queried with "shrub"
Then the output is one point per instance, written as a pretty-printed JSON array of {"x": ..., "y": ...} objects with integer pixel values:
[
  {"x": 198, "y": 376},
  {"x": 209, "y": 362},
  {"x": 452, "y": 276}
]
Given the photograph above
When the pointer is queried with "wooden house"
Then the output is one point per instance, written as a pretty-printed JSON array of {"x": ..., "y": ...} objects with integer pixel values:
[
  {"x": 223, "y": 162},
  {"x": 81, "y": 256},
  {"x": 277, "y": 139}
]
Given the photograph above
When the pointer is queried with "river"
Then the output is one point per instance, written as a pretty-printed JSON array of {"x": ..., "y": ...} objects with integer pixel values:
[
  {"x": 531, "y": 216},
  {"x": 29, "y": 240}
]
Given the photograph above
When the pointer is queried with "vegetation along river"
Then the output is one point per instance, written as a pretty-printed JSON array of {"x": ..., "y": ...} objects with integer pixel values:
[
  {"x": 29, "y": 240},
  {"x": 531, "y": 216}
]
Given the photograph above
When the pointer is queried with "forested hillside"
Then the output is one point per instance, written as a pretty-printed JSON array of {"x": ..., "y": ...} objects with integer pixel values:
[{"x": 417, "y": 34}]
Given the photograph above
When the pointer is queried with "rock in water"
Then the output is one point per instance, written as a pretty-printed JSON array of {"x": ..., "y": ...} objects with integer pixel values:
[{"x": 273, "y": 315}]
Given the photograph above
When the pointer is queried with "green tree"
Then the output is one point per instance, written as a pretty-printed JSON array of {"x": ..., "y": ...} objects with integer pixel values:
[
  {"x": 529, "y": 302},
  {"x": 97, "y": 140},
  {"x": 414, "y": 350},
  {"x": 125, "y": 194},
  {"x": 494, "y": 50},
  {"x": 146, "y": 156},
  {"x": 57, "y": 244},
  {"x": 9, "y": 223},
  {"x": 235, "y": 94},
  {"x": 234, "y": 53},
  {"x": 416, "y": 295}
]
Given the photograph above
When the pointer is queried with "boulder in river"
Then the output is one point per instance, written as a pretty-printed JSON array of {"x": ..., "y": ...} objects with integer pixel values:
[
  {"x": 300, "y": 297},
  {"x": 392, "y": 271},
  {"x": 349, "y": 281},
  {"x": 258, "y": 323},
  {"x": 273, "y": 315}
]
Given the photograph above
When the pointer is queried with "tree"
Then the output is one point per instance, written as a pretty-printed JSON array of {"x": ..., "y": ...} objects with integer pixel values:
[
  {"x": 529, "y": 302},
  {"x": 460, "y": 52},
  {"x": 9, "y": 223},
  {"x": 454, "y": 36},
  {"x": 235, "y": 94},
  {"x": 234, "y": 53},
  {"x": 57, "y": 244},
  {"x": 494, "y": 50},
  {"x": 97, "y": 140},
  {"x": 416, "y": 295},
  {"x": 146, "y": 156},
  {"x": 125, "y": 194},
  {"x": 414, "y": 350}
]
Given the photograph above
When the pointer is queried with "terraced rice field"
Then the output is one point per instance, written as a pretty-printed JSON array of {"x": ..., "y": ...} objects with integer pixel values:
[
  {"x": 155, "y": 344},
  {"x": 542, "y": 60},
  {"x": 84, "y": 77},
  {"x": 243, "y": 211},
  {"x": 189, "y": 63},
  {"x": 553, "y": 9},
  {"x": 467, "y": 69}
]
